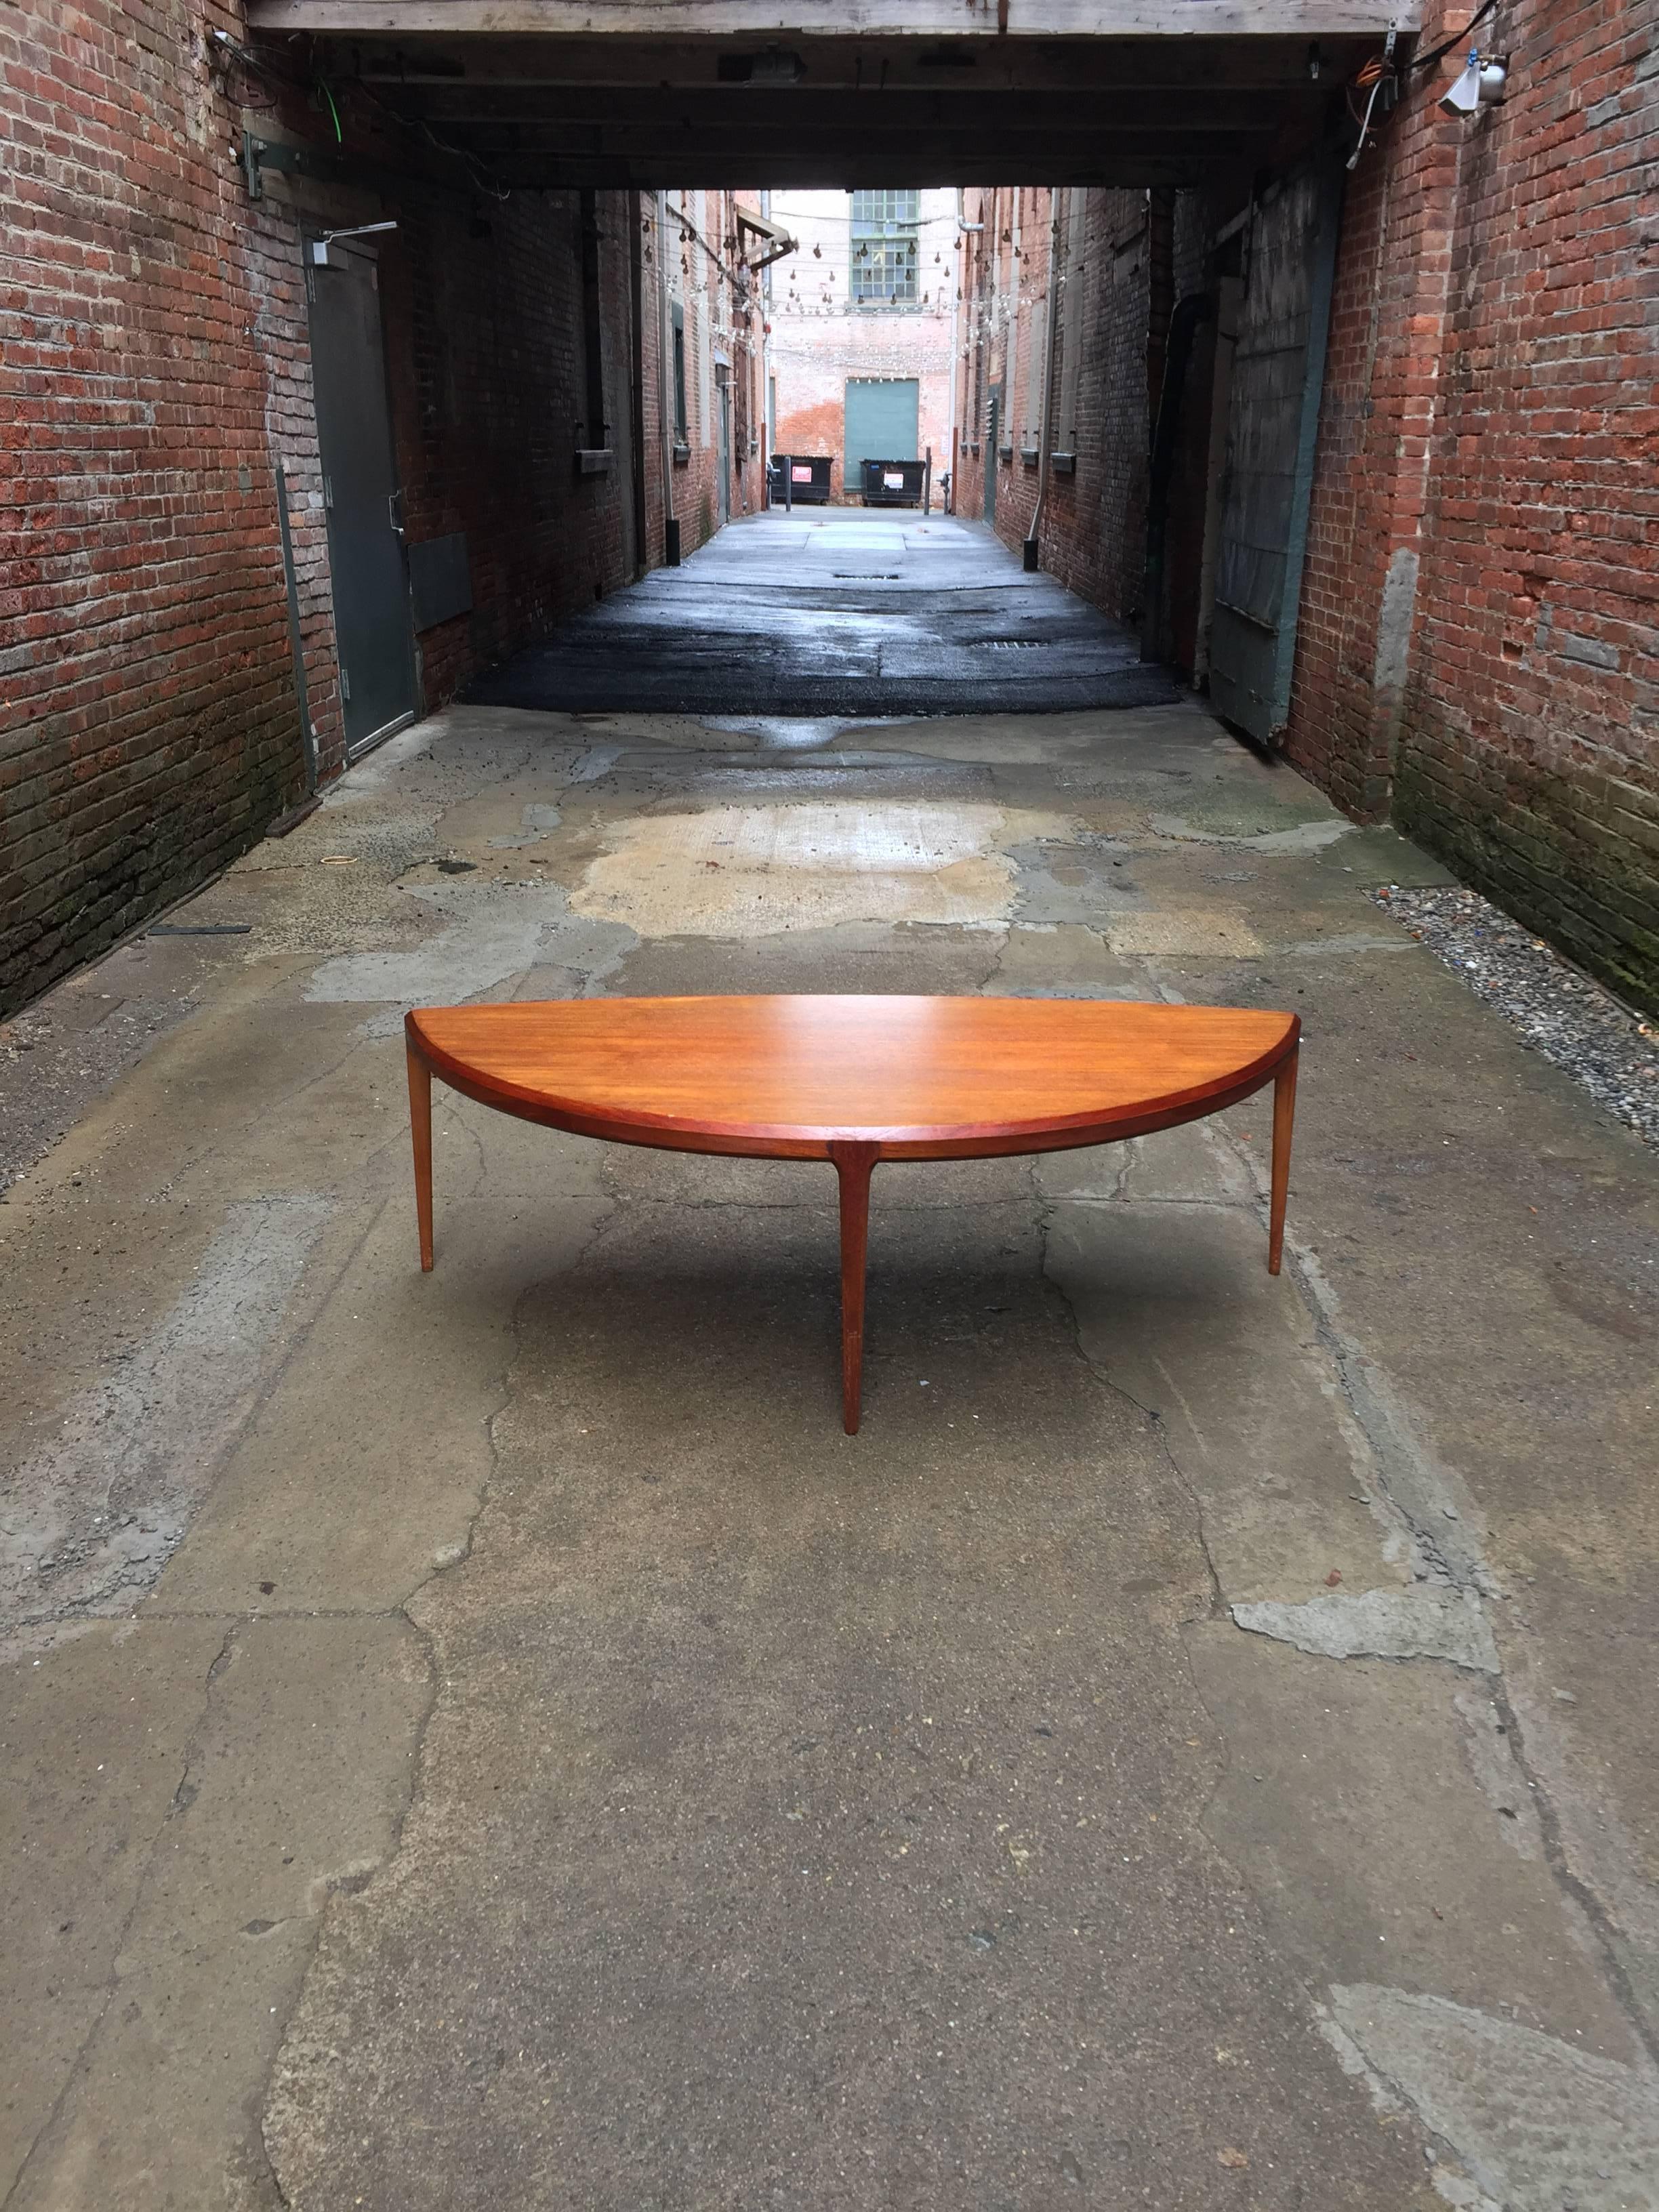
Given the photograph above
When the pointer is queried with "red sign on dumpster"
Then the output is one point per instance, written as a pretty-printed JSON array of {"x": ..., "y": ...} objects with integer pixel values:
[{"x": 801, "y": 473}]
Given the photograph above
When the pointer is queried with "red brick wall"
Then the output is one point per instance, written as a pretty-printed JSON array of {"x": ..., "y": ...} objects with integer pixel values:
[
  {"x": 482, "y": 302},
  {"x": 702, "y": 268},
  {"x": 1476, "y": 645},
  {"x": 150, "y": 727},
  {"x": 1373, "y": 461},
  {"x": 156, "y": 371},
  {"x": 1491, "y": 418},
  {"x": 1093, "y": 530}
]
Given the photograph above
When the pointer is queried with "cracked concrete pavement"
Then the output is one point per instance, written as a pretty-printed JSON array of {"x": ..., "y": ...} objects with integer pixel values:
[{"x": 490, "y": 1739}]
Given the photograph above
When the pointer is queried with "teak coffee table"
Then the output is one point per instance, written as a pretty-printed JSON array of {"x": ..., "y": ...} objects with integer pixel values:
[{"x": 853, "y": 1080}]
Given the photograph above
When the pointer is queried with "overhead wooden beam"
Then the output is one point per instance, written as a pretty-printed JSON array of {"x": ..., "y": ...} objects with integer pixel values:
[
  {"x": 706, "y": 158},
  {"x": 864, "y": 65},
  {"x": 927, "y": 19},
  {"x": 806, "y": 172},
  {"x": 842, "y": 112}
]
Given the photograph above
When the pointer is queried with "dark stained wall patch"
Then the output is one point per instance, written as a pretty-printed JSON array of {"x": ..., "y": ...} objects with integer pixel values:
[{"x": 439, "y": 579}]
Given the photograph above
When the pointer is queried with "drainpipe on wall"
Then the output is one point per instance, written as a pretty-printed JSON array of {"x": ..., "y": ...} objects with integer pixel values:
[
  {"x": 1045, "y": 434},
  {"x": 1230, "y": 290},
  {"x": 1196, "y": 308},
  {"x": 671, "y": 528},
  {"x": 637, "y": 380},
  {"x": 948, "y": 506},
  {"x": 961, "y": 319}
]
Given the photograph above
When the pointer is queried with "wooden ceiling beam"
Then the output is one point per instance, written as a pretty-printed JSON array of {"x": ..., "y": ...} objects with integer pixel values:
[
  {"x": 759, "y": 19},
  {"x": 805, "y": 174},
  {"x": 688, "y": 152},
  {"x": 844, "y": 113},
  {"x": 655, "y": 166},
  {"x": 864, "y": 65}
]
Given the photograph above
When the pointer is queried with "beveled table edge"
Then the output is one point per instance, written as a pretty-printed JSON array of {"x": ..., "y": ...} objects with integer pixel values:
[{"x": 767, "y": 1140}]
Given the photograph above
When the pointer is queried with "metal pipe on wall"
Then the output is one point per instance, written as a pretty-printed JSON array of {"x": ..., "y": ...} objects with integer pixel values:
[
  {"x": 670, "y": 528},
  {"x": 1045, "y": 437},
  {"x": 637, "y": 377},
  {"x": 296, "y": 642}
]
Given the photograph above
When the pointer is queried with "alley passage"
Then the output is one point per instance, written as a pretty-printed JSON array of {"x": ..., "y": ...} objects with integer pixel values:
[
  {"x": 488, "y": 1740},
  {"x": 838, "y": 610}
]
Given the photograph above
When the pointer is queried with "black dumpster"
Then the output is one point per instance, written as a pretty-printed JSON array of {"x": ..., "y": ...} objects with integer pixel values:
[
  {"x": 895, "y": 484},
  {"x": 801, "y": 479}
]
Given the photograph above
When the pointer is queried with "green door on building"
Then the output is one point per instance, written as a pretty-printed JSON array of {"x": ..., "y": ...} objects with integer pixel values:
[{"x": 883, "y": 416}]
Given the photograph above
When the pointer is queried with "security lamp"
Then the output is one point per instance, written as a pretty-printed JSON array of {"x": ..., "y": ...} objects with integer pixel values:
[
  {"x": 1464, "y": 96},
  {"x": 1478, "y": 85},
  {"x": 318, "y": 255}
]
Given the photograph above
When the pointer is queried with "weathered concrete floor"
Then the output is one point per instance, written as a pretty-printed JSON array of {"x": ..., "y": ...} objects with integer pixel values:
[
  {"x": 838, "y": 610},
  {"x": 490, "y": 1740}
]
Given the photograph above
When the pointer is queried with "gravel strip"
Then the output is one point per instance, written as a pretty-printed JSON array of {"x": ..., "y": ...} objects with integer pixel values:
[{"x": 1558, "y": 1011}]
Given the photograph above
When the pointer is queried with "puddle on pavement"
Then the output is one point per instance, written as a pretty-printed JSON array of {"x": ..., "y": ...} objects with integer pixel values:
[{"x": 795, "y": 734}]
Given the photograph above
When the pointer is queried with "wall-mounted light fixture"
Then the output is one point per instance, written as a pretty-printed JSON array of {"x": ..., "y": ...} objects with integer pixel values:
[
  {"x": 1478, "y": 84},
  {"x": 317, "y": 253}
]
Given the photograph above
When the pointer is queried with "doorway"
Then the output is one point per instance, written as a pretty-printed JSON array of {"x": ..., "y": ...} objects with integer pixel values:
[
  {"x": 363, "y": 499},
  {"x": 883, "y": 423},
  {"x": 1276, "y": 376}
]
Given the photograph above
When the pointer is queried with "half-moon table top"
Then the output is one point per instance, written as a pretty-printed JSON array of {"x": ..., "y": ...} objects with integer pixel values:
[{"x": 789, "y": 1076}]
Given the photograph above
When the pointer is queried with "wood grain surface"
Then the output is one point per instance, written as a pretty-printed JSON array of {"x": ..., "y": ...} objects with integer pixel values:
[
  {"x": 788, "y": 1076},
  {"x": 855, "y": 1081}
]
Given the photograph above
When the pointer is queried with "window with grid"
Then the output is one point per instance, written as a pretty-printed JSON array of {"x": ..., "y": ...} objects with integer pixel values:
[{"x": 884, "y": 256}]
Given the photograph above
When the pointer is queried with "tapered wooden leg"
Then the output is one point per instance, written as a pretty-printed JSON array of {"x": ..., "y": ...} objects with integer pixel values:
[
  {"x": 420, "y": 1125},
  {"x": 853, "y": 1164},
  {"x": 1284, "y": 1115}
]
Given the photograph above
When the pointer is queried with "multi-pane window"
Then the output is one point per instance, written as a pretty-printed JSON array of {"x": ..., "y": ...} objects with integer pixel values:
[{"x": 884, "y": 253}]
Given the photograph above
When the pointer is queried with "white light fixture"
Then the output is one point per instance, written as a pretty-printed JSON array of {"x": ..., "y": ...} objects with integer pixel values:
[
  {"x": 1477, "y": 84},
  {"x": 318, "y": 253}
]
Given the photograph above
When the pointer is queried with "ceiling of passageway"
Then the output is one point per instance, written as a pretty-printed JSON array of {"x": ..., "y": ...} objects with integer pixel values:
[{"x": 621, "y": 110}]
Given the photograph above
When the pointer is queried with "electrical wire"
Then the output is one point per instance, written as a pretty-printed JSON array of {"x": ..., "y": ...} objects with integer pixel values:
[
  {"x": 480, "y": 175},
  {"x": 1427, "y": 61},
  {"x": 272, "y": 69},
  {"x": 1372, "y": 75}
]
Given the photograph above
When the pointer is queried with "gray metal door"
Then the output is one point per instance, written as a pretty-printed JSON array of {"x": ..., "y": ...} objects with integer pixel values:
[
  {"x": 883, "y": 421},
  {"x": 993, "y": 431},
  {"x": 1273, "y": 418},
  {"x": 372, "y": 622}
]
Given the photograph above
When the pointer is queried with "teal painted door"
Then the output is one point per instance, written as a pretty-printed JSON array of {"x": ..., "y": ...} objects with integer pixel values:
[
  {"x": 1272, "y": 420},
  {"x": 883, "y": 416}
]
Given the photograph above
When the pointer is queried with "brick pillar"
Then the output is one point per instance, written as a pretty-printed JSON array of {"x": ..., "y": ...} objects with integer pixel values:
[
  {"x": 1478, "y": 641},
  {"x": 1372, "y": 470}
]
